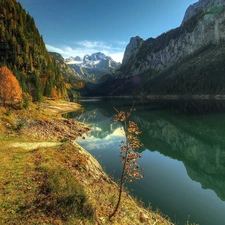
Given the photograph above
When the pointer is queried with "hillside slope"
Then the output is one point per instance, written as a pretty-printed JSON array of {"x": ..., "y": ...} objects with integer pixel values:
[
  {"x": 23, "y": 51},
  {"x": 73, "y": 81}
]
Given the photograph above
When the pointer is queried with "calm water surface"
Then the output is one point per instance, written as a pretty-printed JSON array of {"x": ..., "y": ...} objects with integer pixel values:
[{"x": 183, "y": 155}]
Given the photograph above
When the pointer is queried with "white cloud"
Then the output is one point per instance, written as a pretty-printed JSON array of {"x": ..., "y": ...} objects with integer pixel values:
[
  {"x": 94, "y": 44},
  {"x": 55, "y": 49},
  {"x": 121, "y": 43},
  {"x": 118, "y": 57},
  {"x": 82, "y": 48}
]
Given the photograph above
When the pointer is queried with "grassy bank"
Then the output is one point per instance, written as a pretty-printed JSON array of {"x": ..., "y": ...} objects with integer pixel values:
[{"x": 54, "y": 181}]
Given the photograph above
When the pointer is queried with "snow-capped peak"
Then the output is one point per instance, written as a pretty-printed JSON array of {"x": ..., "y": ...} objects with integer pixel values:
[
  {"x": 89, "y": 60},
  {"x": 93, "y": 66}
]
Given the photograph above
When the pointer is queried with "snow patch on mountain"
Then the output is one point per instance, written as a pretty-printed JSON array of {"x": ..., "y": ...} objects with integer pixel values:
[{"x": 93, "y": 67}]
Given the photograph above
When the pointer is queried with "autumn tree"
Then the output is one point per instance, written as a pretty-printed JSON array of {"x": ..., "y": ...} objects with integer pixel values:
[
  {"x": 131, "y": 170},
  {"x": 10, "y": 90}
]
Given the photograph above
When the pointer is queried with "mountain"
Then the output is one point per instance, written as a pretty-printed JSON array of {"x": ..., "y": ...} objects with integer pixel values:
[
  {"x": 132, "y": 49},
  {"x": 201, "y": 6},
  {"x": 92, "y": 67},
  {"x": 74, "y": 83},
  {"x": 23, "y": 52},
  {"x": 203, "y": 28},
  {"x": 187, "y": 60}
]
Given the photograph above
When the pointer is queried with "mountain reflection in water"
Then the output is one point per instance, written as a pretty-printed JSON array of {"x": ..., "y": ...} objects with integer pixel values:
[{"x": 183, "y": 154}]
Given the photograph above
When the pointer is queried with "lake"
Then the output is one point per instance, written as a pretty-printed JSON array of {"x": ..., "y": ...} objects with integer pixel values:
[{"x": 183, "y": 153}]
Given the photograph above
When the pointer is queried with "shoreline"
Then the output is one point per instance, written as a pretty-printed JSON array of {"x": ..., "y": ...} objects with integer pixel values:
[
  {"x": 162, "y": 97},
  {"x": 59, "y": 106},
  {"x": 46, "y": 140}
]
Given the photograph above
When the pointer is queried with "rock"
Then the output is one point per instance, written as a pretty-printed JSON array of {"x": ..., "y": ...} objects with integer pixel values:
[
  {"x": 56, "y": 129},
  {"x": 171, "y": 47},
  {"x": 132, "y": 48},
  {"x": 199, "y": 6}
]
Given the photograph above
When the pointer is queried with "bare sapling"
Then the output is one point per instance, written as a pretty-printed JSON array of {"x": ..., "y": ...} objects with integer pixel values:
[{"x": 131, "y": 170}]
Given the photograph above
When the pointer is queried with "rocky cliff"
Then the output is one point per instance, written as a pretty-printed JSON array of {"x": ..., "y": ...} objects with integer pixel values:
[
  {"x": 203, "y": 24},
  {"x": 132, "y": 48},
  {"x": 200, "y": 6}
]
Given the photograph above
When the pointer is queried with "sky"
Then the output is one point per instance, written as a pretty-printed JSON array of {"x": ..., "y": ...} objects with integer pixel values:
[{"x": 80, "y": 27}]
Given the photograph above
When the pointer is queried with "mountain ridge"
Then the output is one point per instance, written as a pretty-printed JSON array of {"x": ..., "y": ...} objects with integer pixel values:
[
  {"x": 199, "y": 6},
  {"x": 168, "y": 64},
  {"x": 92, "y": 67},
  {"x": 170, "y": 47}
]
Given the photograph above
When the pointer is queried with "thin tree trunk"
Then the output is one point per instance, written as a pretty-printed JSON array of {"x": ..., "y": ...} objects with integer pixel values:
[
  {"x": 121, "y": 181},
  {"x": 120, "y": 193}
]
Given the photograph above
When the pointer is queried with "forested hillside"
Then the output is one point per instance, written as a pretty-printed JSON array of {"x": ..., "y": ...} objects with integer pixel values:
[
  {"x": 74, "y": 83},
  {"x": 22, "y": 50}
]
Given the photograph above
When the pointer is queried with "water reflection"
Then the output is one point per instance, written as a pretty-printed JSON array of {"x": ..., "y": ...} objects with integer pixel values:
[
  {"x": 197, "y": 141},
  {"x": 183, "y": 158}
]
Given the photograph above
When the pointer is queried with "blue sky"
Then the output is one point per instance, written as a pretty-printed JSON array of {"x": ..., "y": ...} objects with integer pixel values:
[{"x": 79, "y": 27}]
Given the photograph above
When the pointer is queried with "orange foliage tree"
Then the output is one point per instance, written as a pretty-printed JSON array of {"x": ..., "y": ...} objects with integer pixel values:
[
  {"x": 10, "y": 90},
  {"x": 54, "y": 93}
]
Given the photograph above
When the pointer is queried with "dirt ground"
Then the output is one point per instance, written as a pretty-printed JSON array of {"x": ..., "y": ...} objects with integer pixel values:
[
  {"x": 59, "y": 107},
  {"x": 55, "y": 130}
]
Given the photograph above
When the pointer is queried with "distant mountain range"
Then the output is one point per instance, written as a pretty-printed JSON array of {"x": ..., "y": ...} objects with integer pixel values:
[{"x": 92, "y": 67}]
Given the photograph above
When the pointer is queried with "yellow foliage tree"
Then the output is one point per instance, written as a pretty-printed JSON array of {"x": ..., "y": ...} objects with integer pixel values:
[{"x": 10, "y": 90}]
